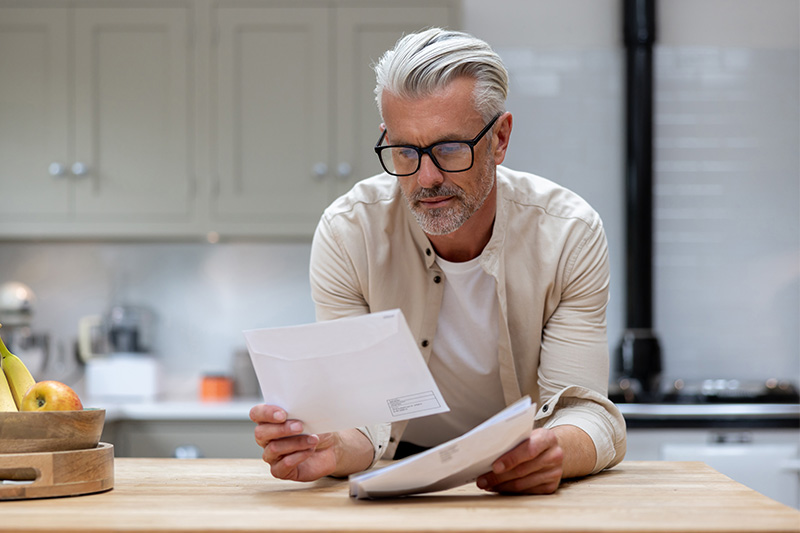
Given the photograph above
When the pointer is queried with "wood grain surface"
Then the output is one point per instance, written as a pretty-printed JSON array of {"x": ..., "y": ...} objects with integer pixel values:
[
  {"x": 210, "y": 495},
  {"x": 53, "y": 474},
  {"x": 50, "y": 431}
]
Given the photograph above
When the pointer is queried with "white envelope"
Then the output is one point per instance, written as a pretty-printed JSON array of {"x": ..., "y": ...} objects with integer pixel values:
[
  {"x": 345, "y": 373},
  {"x": 453, "y": 463}
]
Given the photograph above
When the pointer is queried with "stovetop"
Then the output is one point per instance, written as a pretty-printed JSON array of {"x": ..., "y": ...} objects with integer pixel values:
[{"x": 708, "y": 391}]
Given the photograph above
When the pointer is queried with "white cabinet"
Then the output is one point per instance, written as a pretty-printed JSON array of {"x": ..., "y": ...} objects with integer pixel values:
[
  {"x": 766, "y": 460},
  {"x": 184, "y": 117},
  {"x": 95, "y": 118},
  {"x": 295, "y": 116}
]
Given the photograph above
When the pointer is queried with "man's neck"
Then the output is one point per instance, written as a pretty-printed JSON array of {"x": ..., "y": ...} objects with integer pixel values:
[{"x": 468, "y": 241}]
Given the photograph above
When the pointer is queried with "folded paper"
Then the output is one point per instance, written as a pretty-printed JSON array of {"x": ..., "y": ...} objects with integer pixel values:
[
  {"x": 453, "y": 463},
  {"x": 345, "y": 373}
]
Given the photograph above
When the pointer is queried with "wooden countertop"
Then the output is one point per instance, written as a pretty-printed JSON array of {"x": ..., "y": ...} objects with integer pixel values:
[{"x": 210, "y": 495}]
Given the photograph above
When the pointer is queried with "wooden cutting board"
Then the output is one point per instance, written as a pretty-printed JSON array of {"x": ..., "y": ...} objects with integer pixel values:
[{"x": 52, "y": 474}]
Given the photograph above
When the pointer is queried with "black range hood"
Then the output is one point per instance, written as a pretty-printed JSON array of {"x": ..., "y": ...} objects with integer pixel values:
[{"x": 639, "y": 353}]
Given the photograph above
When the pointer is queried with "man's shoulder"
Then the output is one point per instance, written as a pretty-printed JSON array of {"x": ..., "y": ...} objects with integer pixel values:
[
  {"x": 370, "y": 194},
  {"x": 543, "y": 196}
]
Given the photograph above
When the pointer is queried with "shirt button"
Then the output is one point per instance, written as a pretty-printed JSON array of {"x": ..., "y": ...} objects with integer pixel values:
[
  {"x": 544, "y": 408},
  {"x": 391, "y": 439},
  {"x": 427, "y": 251},
  {"x": 425, "y": 343},
  {"x": 437, "y": 279}
]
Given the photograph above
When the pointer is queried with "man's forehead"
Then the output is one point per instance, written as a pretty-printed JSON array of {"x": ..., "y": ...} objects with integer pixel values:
[{"x": 447, "y": 115}]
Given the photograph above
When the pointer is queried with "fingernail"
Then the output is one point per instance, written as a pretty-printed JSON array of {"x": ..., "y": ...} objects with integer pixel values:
[
  {"x": 482, "y": 483},
  {"x": 499, "y": 467},
  {"x": 280, "y": 416},
  {"x": 311, "y": 439},
  {"x": 296, "y": 427}
]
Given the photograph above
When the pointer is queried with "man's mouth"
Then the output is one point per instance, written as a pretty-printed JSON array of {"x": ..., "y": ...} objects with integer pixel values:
[{"x": 434, "y": 202}]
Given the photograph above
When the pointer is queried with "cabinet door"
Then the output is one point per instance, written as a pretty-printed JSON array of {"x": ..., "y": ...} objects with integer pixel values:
[
  {"x": 271, "y": 77},
  {"x": 33, "y": 113},
  {"x": 363, "y": 35},
  {"x": 133, "y": 104}
]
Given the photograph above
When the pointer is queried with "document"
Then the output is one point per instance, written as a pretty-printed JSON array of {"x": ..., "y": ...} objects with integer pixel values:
[
  {"x": 345, "y": 373},
  {"x": 453, "y": 463}
]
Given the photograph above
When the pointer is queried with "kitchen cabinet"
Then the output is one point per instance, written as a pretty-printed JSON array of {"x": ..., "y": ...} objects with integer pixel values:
[
  {"x": 225, "y": 439},
  {"x": 184, "y": 118},
  {"x": 295, "y": 114},
  {"x": 95, "y": 118},
  {"x": 764, "y": 459}
]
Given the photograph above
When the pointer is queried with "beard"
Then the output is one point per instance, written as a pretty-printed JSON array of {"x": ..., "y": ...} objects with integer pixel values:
[{"x": 445, "y": 220}]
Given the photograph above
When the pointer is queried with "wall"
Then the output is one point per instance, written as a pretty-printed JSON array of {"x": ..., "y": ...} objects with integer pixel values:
[
  {"x": 727, "y": 298},
  {"x": 727, "y": 169}
]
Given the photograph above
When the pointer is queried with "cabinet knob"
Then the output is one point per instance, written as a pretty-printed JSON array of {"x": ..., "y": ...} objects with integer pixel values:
[
  {"x": 187, "y": 451},
  {"x": 320, "y": 170},
  {"x": 344, "y": 169},
  {"x": 57, "y": 169},
  {"x": 79, "y": 169}
]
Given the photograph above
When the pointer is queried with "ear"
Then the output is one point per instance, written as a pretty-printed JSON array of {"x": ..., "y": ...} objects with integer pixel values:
[{"x": 502, "y": 134}]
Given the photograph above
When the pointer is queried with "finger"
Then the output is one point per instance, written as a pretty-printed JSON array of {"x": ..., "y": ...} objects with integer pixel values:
[
  {"x": 267, "y": 432},
  {"x": 277, "y": 450},
  {"x": 288, "y": 467},
  {"x": 539, "y": 442},
  {"x": 551, "y": 460},
  {"x": 539, "y": 482},
  {"x": 263, "y": 413}
]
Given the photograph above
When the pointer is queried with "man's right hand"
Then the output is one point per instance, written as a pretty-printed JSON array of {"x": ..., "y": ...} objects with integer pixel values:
[{"x": 295, "y": 456}]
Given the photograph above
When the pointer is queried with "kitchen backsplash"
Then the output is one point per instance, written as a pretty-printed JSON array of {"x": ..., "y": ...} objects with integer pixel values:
[{"x": 203, "y": 296}]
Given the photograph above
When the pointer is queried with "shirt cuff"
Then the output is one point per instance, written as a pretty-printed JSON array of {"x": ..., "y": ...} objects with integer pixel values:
[
  {"x": 594, "y": 414},
  {"x": 378, "y": 435}
]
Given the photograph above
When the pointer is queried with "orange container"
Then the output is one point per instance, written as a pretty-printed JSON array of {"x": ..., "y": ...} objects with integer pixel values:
[{"x": 215, "y": 388}]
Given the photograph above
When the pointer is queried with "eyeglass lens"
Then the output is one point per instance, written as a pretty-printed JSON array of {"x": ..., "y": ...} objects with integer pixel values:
[{"x": 450, "y": 157}]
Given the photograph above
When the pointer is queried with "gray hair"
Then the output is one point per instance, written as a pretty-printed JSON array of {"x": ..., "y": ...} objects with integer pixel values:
[{"x": 423, "y": 62}]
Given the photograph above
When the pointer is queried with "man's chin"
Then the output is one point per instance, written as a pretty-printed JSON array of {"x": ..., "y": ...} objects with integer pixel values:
[{"x": 438, "y": 221}]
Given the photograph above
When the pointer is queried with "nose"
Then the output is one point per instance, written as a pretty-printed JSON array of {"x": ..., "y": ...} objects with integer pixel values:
[{"x": 429, "y": 175}]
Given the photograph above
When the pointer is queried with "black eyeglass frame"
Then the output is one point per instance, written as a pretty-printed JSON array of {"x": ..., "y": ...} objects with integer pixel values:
[{"x": 429, "y": 150}]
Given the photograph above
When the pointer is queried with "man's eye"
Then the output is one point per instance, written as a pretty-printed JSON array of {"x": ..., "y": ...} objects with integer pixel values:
[
  {"x": 451, "y": 149},
  {"x": 405, "y": 153}
]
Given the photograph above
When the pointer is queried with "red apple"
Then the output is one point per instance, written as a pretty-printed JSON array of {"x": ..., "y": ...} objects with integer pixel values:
[{"x": 50, "y": 396}]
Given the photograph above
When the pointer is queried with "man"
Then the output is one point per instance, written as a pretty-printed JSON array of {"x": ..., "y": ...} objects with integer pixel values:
[{"x": 502, "y": 276}]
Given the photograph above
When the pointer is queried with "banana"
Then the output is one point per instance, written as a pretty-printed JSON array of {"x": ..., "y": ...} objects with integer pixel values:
[
  {"x": 6, "y": 399},
  {"x": 16, "y": 373}
]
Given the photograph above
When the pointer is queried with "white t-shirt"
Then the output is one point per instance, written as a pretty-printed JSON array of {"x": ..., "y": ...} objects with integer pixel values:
[{"x": 464, "y": 356}]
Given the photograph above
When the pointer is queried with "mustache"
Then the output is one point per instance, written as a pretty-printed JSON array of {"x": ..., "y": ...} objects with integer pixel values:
[{"x": 441, "y": 190}]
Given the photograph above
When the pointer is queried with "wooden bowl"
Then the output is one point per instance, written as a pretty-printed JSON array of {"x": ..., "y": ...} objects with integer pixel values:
[{"x": 50, "y": 431}]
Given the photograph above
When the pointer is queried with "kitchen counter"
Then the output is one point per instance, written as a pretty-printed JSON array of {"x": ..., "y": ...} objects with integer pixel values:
[
  {"x": 215, "y": 495},
  {"x": 237, "y": 410},
  {"x": 636, "y": 414},
  {"x": 717, "y": 415}
]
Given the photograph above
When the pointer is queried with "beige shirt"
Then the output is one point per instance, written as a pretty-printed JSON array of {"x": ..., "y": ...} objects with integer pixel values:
[{"x": 549, "y": 255}]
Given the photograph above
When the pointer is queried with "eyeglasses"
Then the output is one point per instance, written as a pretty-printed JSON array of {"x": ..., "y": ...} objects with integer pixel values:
[{"x": 448, "y": 156}]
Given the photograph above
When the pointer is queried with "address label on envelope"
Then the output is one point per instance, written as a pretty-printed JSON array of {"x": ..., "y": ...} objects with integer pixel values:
[{"x": 345, "y": 373}]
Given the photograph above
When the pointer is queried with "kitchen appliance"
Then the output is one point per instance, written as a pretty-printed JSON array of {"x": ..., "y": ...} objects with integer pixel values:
[
  {"x": 17, "y": 302},
  {"x": 118, "y": 349}
]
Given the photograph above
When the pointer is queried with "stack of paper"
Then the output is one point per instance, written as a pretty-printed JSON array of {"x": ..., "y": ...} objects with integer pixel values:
[
  {"x": 453, "y": 463},
  {"x": 345, "y": 373}
]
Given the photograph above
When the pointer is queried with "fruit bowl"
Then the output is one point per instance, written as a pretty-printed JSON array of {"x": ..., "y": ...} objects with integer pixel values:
[{"x": 50, "y": 431}]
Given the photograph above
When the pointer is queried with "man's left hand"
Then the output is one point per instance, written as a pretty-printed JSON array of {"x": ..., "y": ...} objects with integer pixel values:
[{"x": 533, "y": 467}]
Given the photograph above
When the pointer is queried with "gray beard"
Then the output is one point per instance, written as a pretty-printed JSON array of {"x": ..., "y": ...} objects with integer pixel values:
[{"x": 446, "y": 220}]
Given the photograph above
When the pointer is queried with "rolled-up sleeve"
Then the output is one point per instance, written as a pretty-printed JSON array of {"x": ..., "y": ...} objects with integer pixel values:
[
  {"x": 574, "y": 361},
  {"x": 594, "y": 414}
]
